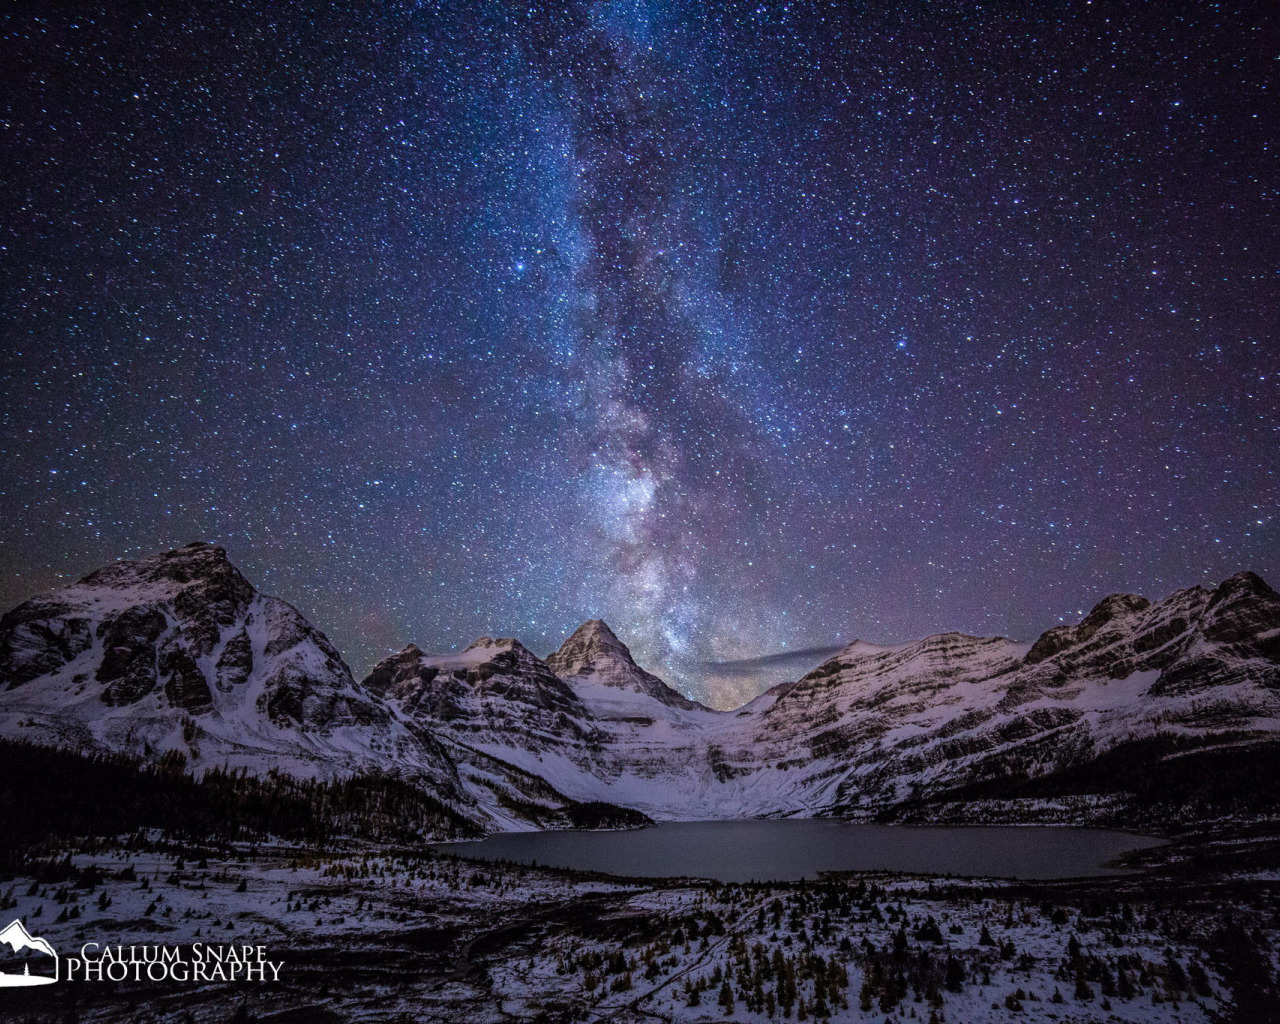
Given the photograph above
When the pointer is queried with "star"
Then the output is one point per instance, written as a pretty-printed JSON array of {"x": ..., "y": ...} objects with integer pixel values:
[{"x": 747, "y": 328}]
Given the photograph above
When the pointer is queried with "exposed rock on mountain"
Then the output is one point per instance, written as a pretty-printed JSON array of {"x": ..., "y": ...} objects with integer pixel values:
[
  {"x": 1143, "y": 711},
  {"x": 131, "y": 653},
  {"x": 593, "y": 654},
  {"x": 950, "y": 726},
  {"x": 1134, "y": 683},
  {"x": 178, "y": 652}
]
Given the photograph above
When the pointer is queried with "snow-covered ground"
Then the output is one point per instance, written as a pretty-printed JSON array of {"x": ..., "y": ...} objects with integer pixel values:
[{"x": 381, "y": 935}]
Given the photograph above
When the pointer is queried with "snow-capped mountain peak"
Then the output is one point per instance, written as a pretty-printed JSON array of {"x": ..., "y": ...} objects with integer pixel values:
[
  {"x": 179, "y": 652},
  {"x": 594, "y": 654},
  {"x": 591, "y": 641},
  {"x": 488, "y": 643}
]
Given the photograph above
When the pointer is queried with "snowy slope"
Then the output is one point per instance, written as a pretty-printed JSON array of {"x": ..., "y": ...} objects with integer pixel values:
[
  {"x": 594, "y": 656},
  {"x": 878, "y": 727},
  {"x": 178, "y": 652}
]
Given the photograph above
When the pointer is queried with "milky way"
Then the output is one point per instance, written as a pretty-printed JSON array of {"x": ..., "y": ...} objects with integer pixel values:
[{"x": 751, "y": 328}]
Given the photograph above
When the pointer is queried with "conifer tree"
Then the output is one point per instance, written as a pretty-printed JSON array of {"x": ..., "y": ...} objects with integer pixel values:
[{"x": 726, "y": 997}]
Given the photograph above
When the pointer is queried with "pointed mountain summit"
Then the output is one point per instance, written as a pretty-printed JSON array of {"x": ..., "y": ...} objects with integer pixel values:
[
  {"x": 595, "y": 654},
  {"x": 589, "y": 641},
  {"x": 177, "y": 651}
]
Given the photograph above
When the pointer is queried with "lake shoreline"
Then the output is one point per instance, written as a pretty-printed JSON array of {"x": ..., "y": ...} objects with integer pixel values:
[{"x": 794, "y": 849}]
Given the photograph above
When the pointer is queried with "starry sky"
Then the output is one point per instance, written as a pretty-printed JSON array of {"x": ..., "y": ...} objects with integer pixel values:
[{"x": 751, "y": 328}]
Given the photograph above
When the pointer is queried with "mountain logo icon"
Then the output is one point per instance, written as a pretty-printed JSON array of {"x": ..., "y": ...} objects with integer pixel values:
[{"x": 25, "y": 959}]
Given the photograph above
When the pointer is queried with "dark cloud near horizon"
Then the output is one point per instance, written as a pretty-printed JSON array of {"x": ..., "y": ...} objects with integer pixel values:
[{"x": 755, "y": 666}]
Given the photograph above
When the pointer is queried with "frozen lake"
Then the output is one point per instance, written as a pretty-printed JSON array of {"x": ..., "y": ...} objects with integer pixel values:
[{"x": 759, "y": 850}]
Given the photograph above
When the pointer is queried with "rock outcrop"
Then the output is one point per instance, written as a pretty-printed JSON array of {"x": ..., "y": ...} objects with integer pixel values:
[{"x": 1092, "y": 721}]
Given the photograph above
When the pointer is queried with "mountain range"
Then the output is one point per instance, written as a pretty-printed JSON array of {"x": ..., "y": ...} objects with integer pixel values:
[{"x": 1142, "y": 713}]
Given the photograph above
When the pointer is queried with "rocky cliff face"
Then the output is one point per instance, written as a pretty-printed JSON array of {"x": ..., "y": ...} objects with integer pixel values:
[
  {"x": 956, "y": 717},
  {"x": 1076, "y": 726},
  {"x": 489, "y": 681},
  {"x": 138, "y": 652},
  {"x": 1092, "y": 721},
  {"x": 593, "y": 655},
  {"x": 179, "y": 653}
]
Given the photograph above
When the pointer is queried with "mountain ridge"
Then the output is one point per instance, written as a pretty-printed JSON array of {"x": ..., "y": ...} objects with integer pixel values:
[{"x": 178, "y": 652}]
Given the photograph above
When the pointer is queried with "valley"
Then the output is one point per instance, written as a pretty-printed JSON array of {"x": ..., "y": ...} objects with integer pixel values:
[{"x": 189, "y": 761}]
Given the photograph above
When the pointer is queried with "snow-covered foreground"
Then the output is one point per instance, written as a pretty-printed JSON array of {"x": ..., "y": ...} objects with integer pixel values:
[{"x": 379, "y": 935}]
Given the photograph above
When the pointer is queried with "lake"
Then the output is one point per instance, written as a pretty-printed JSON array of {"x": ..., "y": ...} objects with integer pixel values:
[{"x": 761, "y": 850}]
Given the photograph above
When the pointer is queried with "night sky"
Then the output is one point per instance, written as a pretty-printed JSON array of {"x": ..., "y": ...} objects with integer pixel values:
[{"x": 751, "y": 328}]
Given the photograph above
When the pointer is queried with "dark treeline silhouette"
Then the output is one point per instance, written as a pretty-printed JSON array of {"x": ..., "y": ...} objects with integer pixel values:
[
  {"x": 1165, "y": 779},
  {"x": 50, "y": 794}
]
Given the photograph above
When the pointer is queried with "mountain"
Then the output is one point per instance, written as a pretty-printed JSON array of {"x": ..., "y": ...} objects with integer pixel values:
[
  {"x": 1123, "y": 709},
  {"x": 1149, "y": 712},
  {"x": 495, "y": 708},
  {"x": 603, "y": 730},
  {"x": 594, "y": 657},
  {"x": 178, "y": 653},
  {"x": 490, "y": 679}
]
